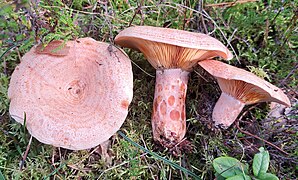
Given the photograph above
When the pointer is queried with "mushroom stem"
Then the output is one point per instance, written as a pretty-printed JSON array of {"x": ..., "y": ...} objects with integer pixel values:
[
  {"x": 226, "y": 110},
  {"x": 168, "y": 116}
]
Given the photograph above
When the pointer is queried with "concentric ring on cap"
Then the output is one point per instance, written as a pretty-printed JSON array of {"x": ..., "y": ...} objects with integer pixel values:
[{"x": 75, "y": 100}]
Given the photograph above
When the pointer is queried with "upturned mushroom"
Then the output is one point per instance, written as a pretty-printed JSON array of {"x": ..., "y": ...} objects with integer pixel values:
[
  {"x": 76, "y": 96},
  {"x": 173, "y": 53},
  {"x": 239, "y": 88}
]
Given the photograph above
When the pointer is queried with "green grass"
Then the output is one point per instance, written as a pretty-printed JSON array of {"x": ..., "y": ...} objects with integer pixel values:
[{"x": 263, "y": 35}]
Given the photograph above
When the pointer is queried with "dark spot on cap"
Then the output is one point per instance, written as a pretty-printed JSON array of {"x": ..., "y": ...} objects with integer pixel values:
[{"x": 124, "y": 104}]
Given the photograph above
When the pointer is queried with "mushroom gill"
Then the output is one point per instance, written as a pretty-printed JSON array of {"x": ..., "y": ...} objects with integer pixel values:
[
  {"x": 167, "y": 56},
  {"x": 239, "y": 88},
  {"x": 173, "y": 53},
  {"x": 243, "y": 91}
]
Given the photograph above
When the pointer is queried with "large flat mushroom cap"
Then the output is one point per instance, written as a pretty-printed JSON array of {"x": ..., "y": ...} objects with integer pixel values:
[
  {"x": 172, "y": 36},
  {"x": 171, "y": 48},
  {"x": 249, "y": 82},
  {"x": 76, "y": 99}
]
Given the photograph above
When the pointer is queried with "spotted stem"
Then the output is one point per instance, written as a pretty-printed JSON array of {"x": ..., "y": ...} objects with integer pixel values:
[{"x": 168, "y": 117}]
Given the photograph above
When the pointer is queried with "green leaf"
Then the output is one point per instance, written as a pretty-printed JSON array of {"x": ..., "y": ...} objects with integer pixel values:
[
  {"x": 261, "y": 162},
  {"x": 1, "y": 176},
  {"x": 228, "y": 166},
  {"x": 267, "y": 176},
  {"x": 239, "y": 177},
  {"x": 219, "y": 177}
]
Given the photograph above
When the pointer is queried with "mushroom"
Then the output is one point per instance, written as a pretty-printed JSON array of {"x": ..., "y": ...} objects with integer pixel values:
[
  {"x": 173, "y": 53},
  {"x": 74, "y": 96},
  {"x": 239, "y": 88}
]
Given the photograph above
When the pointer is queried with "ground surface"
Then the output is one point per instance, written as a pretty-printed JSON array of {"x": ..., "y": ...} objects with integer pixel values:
[{"x": 263, "y": 36}]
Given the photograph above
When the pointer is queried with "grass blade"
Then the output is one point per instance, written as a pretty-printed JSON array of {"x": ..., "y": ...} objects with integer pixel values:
[
  {"x": 55, "y": 171},
  {"x": 155, "y": 155}
]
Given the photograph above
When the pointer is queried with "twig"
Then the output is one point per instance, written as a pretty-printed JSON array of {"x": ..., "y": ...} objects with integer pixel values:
[
  {"x": 261, "y": 139},
  {"x": 146, "y": 159},
  {"x": 292, "y": 159},
  {"x": 142, "y": 15},
  {"x": 176, "y": 145},
  {"x": 247, "y": 43},
  {"x": 233, "y": 34},
  {"x": 137, "y": 11},
  {"x": 53, "y": 156},
  {"x": 108, "y": 22},
  {"x": 141, "y": 69},
  {"x": 255, "y": 136},
  {"x": 201, "y": 76},
  {"x": 226, "y": 39},
  {"x": 133, "y": 17},
  {"x": 205, "y": 14},
  {"x": 25, "y": 154},
  {"x": 243, "y": 150},
  {"x": 290, "y": 74},
  {"x": 199, "y": 8},
  {"x": 292, "y": 90},
  {"x": 279, "y": 11},
  {"x": 229, "y": 4}
]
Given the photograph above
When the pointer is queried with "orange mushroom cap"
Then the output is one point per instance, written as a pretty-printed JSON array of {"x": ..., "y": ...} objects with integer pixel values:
[
  {"x": 172, "y": 48},
  {"x": 244, "y": 86},
  {"x": 76, "y": 97},
  {"x": 239, "y": 88}
]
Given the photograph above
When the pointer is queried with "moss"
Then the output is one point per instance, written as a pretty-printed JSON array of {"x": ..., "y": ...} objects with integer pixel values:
[{"x": 270, "y": 47}]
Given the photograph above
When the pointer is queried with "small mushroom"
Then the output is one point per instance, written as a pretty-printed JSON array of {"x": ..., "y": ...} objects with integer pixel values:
[
  {"x": 74, "y": 96},
  {"x": 173, "y": 53},
  {"x": 239, "y": 88}
]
